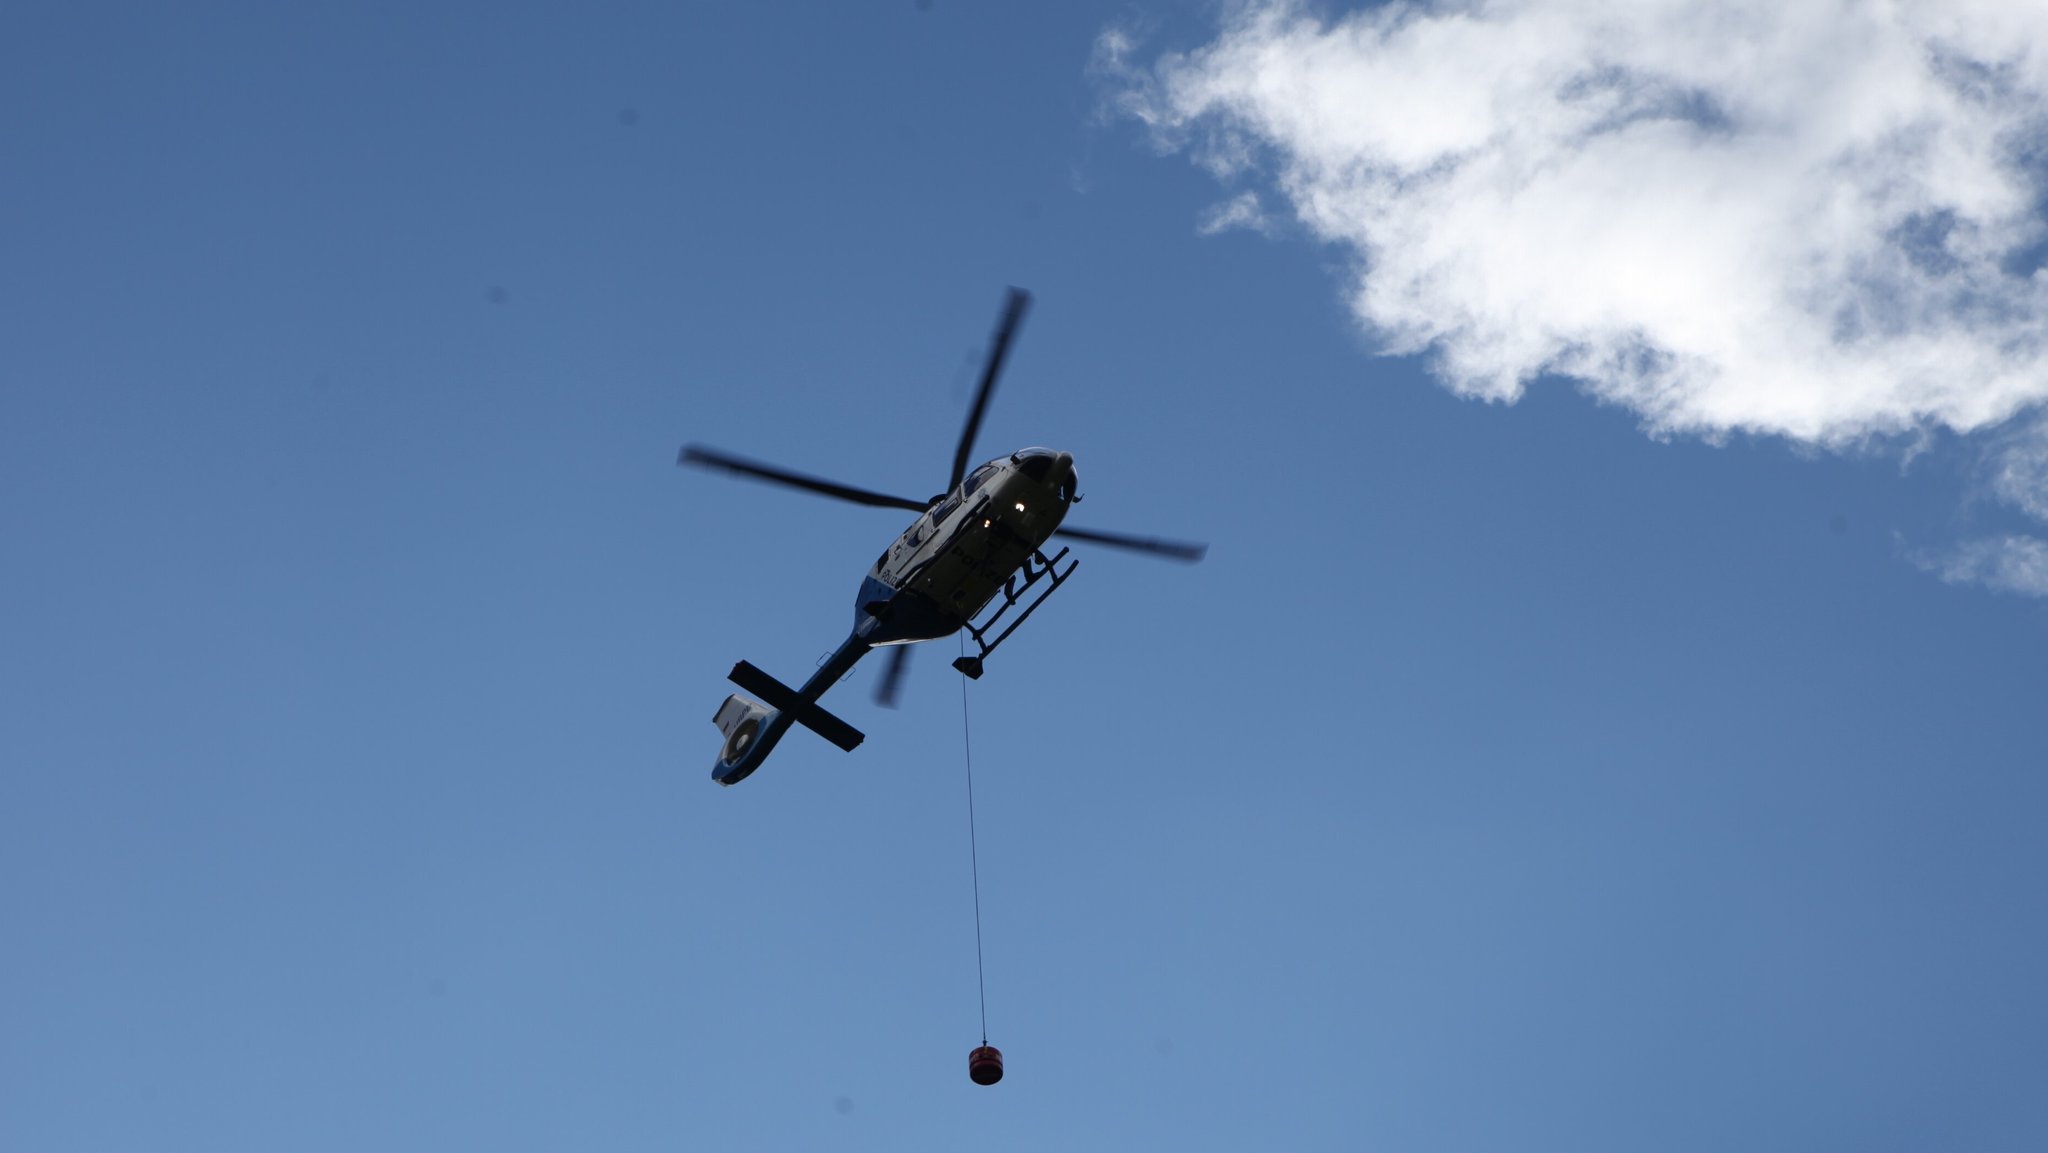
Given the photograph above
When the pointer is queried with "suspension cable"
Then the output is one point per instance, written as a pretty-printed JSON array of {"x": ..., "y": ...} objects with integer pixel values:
[{"x": 973, "y": 851}]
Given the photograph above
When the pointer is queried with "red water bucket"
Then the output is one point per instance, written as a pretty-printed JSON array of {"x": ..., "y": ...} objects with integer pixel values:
[{"x": 985, "y": 1065}]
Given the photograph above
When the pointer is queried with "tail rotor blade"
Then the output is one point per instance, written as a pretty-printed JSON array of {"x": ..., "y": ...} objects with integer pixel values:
[
  {"x": 892, "y": 676},
  {"x": 1170, "y": 549},
  {"x": 701, "y": 457},
  {"x": 1014, "y": 306}
]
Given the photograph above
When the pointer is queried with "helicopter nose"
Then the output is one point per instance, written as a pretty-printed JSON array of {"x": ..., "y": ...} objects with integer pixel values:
[{"x": 1048, "y": 467}]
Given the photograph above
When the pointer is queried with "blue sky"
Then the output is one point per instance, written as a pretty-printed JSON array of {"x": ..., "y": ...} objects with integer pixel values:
[{"x": 1549, "y": 775}]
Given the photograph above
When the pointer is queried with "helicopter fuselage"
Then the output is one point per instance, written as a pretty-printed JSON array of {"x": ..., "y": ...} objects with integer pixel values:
[
  {"x": 934, "y": 579},
  {"x": 948, "y": 564}
]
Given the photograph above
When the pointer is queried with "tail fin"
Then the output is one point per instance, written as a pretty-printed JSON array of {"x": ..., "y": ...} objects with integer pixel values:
[{"x": 742, "y": 720}]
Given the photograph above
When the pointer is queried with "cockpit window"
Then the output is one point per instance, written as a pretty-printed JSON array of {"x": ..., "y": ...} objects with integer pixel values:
[{"x": 980, "y": 476}]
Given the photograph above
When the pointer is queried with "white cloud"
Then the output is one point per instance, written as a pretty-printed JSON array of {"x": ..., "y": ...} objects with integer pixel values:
[
  {"x": 1240, "y": 211},
  {"x": 1816, "y": 219},
  {"x": 2019, "y": 468},
  {"x": 2017, "y": 564}
]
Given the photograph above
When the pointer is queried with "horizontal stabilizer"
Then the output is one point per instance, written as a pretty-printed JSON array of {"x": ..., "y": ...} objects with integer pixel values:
[{"x": 809, "y": 714}]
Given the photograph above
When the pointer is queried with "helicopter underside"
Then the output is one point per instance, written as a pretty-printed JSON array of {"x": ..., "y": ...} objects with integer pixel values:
[{"x": 891, "y": 616}]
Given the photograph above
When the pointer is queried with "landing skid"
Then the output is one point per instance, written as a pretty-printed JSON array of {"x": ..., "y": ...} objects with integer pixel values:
[{"x": 1036, "y": 568}]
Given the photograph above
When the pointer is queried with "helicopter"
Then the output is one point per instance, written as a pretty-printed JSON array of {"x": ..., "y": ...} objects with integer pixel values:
[{"x": 980, "y": 541}]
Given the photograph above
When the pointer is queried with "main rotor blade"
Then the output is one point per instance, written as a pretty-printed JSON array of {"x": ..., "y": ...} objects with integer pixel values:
[
  {"x": 721, "y": 462},
  {"x": 892, "y": 676},
  {"x": 1171, "y": 549},
  {"x": 1013, "y": 315}
]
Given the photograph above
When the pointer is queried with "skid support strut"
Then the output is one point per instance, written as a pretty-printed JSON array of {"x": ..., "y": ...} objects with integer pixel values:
[{"x": 1036, "y": 568}]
